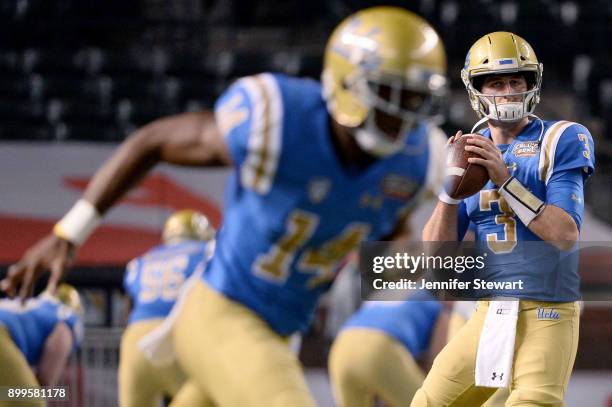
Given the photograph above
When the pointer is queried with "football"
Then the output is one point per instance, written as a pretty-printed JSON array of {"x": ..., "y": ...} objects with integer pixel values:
[{"x": 463, "y": 179}]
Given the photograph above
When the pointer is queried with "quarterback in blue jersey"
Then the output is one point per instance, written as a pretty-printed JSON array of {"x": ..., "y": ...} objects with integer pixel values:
[
  {"x": 153, "y": 282},
  {"x": 318, "y": 167},
  {"x": 378, "y": 352},
  {"x": 525, "y": 339},
  {"x": 37, "y": 337}
]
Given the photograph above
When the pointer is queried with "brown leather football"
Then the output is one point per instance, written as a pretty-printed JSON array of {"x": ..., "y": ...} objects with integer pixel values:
[{"x": 463, "y": 179}]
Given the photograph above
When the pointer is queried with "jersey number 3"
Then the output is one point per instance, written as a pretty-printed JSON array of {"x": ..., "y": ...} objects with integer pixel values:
[{"x": 507, "y": 242}]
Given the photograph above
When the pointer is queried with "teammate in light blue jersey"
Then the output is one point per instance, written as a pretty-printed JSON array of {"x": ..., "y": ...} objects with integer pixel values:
[
  {"x": 153, "y": 282},
  {"x": 378, "y": 353},
  {"x": 37, "y": 337},
  {"x": 291, "y": 203},
  {"x": 527, "y": 219},
  {"x": 318, "y": 167}
]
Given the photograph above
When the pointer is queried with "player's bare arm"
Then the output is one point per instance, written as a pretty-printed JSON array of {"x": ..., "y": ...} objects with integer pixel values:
[
  {"x": 442, "y": 225},
  {"x": 553, "y": 224},
  {"x": 190, "y": 139}
]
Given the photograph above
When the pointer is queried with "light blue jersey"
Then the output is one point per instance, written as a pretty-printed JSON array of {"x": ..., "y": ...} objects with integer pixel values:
[
  {"x": 30, "y": 325},
  {"x": 153, "y": 280},
  {"x": 410, "y": 322},
  {"x": 554, "y": 170},
  {"x": 292, "y": 210}
]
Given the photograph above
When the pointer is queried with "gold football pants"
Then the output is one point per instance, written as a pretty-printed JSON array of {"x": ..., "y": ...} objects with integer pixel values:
[
  {"x": 15, "y": 370},
  {"x": 142, "y": 384},
  {"x": 544, "y": 354},
  {"x": 234, "y": 356},
  {"x": 367, "y": 364}
]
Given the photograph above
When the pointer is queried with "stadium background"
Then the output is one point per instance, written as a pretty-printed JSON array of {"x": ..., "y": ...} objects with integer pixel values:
[{"x": 77, "y": 76}]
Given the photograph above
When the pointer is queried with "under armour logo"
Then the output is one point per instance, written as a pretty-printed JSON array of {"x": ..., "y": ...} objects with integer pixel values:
[{"x": 500, "y": 377}]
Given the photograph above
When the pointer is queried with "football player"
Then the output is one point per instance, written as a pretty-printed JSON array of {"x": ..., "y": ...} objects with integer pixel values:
[
  {"x": 537, "y": 172},
  {"x": 319, "y": 167},
  {"x": 36, "y": 339},
  {"x": 379, "y": 352},
  {"x": 153, "y": 282}
]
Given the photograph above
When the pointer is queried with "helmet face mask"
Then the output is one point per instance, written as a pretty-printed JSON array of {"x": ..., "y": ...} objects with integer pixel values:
[
  {"x": 383, "y": 73},
  {"x": 492, "y": 107},
  {"x": 502, "y": 53},
  {"x": 395, "y": 108}
]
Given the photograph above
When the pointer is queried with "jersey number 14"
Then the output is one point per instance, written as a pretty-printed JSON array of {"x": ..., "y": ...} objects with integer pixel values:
[{"x": 320, "y": 261}]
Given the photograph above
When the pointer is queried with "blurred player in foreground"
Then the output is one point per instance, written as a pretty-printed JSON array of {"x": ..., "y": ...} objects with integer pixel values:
[
  {"x": 318, "y": 168},
  {"x": 37, "y": 337},
  {"x": 537, "y": 171},
  {"x": 153, "y": 282},
  {"x": 378, "y": 353}
]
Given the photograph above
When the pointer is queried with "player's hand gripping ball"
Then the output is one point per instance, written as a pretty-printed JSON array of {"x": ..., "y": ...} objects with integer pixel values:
[{"x": 463, "y": 178}]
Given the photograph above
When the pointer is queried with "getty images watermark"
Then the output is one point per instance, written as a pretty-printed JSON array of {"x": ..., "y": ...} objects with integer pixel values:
[
  {"x": 405, "y": 262},
  {"x": 472, "y": 270}
]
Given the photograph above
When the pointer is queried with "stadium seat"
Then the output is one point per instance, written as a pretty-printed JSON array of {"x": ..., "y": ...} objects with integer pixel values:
[
  {"x": 205, "y": 90},
  {"x": 59, "y": 86},
  {"x": 15, "y": 86},
  {"x": 25, "y": 132},
  {"x": 126, "y": 62},
  {"x": 142, "y": 111},
  {"x": 74, "y": 110},
  {"x": 15, "y": 110},
  {"x": 10, "y": 62},
  {"x": 50, "y": 61},
  {"x": 310, "y": 65},
  {"x": 188, "y": 64},
  {"x": 248, "y": 63},
  {"x": 85, "y": 132}
]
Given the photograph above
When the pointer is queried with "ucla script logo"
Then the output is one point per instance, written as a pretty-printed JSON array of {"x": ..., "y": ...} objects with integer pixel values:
[{"x": 548, "y": 313}]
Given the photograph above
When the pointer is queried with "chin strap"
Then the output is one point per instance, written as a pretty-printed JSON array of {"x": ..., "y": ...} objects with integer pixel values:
[
  {"x": 479, "y": 123},
  {"x": 541, "y": 127}
]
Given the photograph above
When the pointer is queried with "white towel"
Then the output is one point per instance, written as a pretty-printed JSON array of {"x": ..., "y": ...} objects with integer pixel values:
[{"x": 496, "y": 346}]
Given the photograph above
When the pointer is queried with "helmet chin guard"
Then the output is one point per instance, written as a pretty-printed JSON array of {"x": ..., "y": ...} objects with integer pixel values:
[
  {"x": 488, "y": 105},
  {"x": 375, "y": 142}
]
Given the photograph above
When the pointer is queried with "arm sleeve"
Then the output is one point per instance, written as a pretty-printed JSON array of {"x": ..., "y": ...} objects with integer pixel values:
[
  {"x": 565, "y": 189},
  {"x": 249, "y": 115},
  {"x": 463, "y": 221}
]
